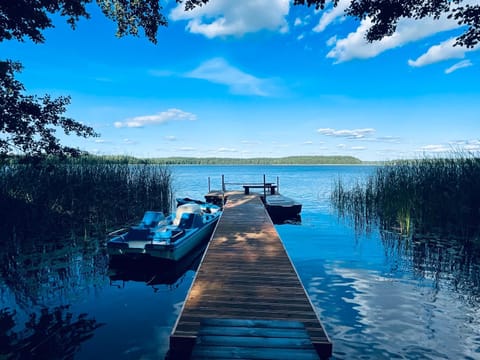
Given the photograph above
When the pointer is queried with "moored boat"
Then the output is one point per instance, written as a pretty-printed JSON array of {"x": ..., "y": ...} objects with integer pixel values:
[
  {"x": 170, "y": 237},
  {"x": 282, "y": 209}
]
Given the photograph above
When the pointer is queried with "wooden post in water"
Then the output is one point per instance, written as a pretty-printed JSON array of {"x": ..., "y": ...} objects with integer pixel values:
[
  {"x": 264, "y": 189},
  {"x": 223, "y": 189}
]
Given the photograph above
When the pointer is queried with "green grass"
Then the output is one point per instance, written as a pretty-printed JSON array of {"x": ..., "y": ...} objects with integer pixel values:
[{"x": 426, "y": 196}]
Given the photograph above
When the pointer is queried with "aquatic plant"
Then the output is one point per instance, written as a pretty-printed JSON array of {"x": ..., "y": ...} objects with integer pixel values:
[
  {"x": 424, "y": 196},
  {"x": 80, "y": 194}
]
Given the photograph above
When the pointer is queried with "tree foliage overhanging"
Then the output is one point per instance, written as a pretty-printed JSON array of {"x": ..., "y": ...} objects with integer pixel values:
[
  {"x": 385, "y": 15},
  {"x": 28, "y": 123}
]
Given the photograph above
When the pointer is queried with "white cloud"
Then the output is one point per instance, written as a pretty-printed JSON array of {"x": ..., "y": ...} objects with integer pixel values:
[
  {"x": 435, "y": 148},
  {"x": 355, "y": 46},
  {"x": 458, "y": 65},
  {"x": 129, "y": 142},
  {"x": 389, "y": 139},
  {"x": 358, "y": 148},
  {"x": 160, "y": 118},
  {"x": 226, "y": 17},
  {"x": 170, "y": 138},
  {"x": 329, "y": 16},
  {"x": 440, "y": 52},
  {"x": 350, "y": 134},
  {"x": 218, "y": 71},
  {"x": 467, "y": 145},
  {"x": 224, "y": 150},
  {"x": 298, "y": 22},
  {"x": 332, "y": 40}
]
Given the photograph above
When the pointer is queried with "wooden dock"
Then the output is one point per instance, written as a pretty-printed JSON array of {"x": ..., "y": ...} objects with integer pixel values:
[{"x": 246, "y": 275}]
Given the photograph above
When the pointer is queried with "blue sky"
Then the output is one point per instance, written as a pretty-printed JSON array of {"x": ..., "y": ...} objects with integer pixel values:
[{"x": 261, "y": 78}]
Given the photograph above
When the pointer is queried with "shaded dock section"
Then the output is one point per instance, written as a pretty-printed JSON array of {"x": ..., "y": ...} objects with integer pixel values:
[{"x": 247, "y": 289}]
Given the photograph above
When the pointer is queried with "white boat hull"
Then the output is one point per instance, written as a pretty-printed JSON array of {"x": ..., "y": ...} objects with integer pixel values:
[{"x": 178, "y": 250}]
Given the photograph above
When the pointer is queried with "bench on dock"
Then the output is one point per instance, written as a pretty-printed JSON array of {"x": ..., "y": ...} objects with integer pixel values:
[{"x": 269, "y": 186}]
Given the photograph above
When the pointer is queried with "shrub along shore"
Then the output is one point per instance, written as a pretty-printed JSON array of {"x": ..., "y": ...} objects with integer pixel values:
[{"x": 427, "y": 196}]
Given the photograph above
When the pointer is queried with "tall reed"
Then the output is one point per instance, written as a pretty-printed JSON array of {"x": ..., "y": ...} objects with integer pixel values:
[
  {"x": 80, "y": 194},
  {"x": 425, "y": 196}
]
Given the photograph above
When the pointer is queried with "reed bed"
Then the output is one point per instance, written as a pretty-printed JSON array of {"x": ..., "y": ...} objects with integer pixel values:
[
  {"x": 426, "y": 196},
  {"x": 81, "y": 194}
]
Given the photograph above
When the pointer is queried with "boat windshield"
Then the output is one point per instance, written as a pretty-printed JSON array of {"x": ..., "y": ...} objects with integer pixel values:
[{"x": 152, "y": 218}]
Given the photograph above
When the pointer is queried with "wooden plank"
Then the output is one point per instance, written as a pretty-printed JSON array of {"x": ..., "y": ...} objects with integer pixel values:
[
  {"x": 292, "y": 339},
  {"x": 257, "y": 339},
  {"x": 246, "y": 274},
  {"x": 232, "y": 352}
]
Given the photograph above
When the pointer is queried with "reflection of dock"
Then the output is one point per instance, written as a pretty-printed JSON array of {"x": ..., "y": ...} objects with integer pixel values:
[{"x": 247, "y": 279}]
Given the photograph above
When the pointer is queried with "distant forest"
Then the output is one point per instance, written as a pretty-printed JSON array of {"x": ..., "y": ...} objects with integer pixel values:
[
  {"x": 123, "y": 159},
  {"x": 289, "y": 160}
]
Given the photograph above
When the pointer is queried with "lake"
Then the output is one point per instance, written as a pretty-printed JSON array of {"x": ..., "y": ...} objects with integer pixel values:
[{"x": 379, "y": 297}]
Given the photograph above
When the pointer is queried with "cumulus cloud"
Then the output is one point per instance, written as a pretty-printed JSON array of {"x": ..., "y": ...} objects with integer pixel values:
[
  {"x": 226, "y": 17},
  {"x": 160, "y": 118},
  {"x": 440, "y": 52},
  {"x": 329, "y": 16},
  {"x": 355, "y": 46},
  {"x": 458, "y": 65},
  {"x": 218, "y": 71},
  {"x": 349, "y": 134}
]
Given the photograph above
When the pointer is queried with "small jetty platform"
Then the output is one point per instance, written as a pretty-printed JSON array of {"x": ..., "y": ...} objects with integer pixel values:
[
  {"x": 246, "y": 300},
  {"x": 280, "y": 208}
]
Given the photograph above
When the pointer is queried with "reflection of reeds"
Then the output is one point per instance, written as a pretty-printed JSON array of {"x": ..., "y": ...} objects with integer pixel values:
[
  {"x": 82, "y": 194},
  {"x": 417, "y": 196},
  {"x": 51, "y": 334}
]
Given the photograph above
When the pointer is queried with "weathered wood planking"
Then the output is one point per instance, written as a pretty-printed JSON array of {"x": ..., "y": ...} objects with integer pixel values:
[
  {"x": 246, "y": 274},
  {"x": 252, "y": 339}
]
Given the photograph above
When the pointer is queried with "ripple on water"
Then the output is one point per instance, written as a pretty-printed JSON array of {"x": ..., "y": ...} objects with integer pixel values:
[{"x": 372, "y": 316}]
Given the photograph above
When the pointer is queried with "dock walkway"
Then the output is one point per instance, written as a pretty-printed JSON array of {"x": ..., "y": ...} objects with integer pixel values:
[{"x": 246, "y": 274}]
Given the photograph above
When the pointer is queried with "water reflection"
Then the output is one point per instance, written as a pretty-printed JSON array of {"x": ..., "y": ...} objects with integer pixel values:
[
  {"x": 39, "y": 279},
  {"x": 421, "y": 302},
  {"x": 49, "y": 334},
  {"x": 446, "y": 263},
  {"x": 153, "y": 271}
]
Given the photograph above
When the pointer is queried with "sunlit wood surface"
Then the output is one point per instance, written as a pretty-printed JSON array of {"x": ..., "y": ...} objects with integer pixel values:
[{"x": 246, "y": 274}]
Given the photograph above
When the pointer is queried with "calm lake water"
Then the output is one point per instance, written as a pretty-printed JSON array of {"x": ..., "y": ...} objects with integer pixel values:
[{"x": 378, "y": 297}]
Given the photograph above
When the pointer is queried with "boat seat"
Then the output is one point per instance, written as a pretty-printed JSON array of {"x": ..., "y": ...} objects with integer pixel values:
[{"x": 186, "y": 221}]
